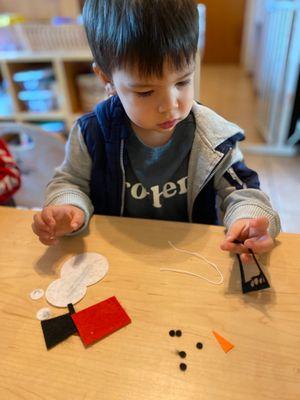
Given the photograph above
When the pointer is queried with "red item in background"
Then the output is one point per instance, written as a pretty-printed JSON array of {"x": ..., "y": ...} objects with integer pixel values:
[
  {"x": 99, "y": 320},
  {"x": 10, "y": 179}
]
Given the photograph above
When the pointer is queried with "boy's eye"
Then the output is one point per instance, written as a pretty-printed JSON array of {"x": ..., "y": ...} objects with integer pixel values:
[
  {"x": 184, "y": 83},
  {"x": 144, "y": 94}
]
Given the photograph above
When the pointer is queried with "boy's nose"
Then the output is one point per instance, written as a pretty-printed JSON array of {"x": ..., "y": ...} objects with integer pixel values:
[{"x": 168, "y": 103}]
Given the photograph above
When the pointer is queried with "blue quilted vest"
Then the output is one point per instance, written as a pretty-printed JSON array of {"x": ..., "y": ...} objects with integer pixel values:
[{"x": 104, "y": 130}]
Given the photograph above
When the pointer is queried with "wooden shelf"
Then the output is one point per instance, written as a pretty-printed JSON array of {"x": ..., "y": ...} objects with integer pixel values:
[
  {"x": 31, "y": 116},
  {"x": 66, "y": 66},
  {"x": 7, "y": 117},
  {"x": 28, "y": 56}
]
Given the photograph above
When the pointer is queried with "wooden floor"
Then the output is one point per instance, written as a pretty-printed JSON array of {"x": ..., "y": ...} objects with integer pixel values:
[{"x": 228, "y": 90}]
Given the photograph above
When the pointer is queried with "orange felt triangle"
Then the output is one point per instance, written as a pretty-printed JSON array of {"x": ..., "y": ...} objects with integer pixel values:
[{"x": 226, "y": 346}]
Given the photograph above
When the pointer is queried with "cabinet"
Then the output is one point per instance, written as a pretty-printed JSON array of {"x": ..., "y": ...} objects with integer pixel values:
[{"x": 65, "y": 65}]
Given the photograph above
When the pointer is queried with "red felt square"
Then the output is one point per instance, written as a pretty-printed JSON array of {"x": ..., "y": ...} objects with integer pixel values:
[{"x": 99, "y": 320}]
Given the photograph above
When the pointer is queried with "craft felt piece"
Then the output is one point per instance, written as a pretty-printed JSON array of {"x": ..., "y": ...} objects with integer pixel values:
[
  {"x": 77, "y": 274},
  {"x": 257, "y": 282},
  {"x": 58, "y": 329},
  {"x": 99, "y": 320},
  {"x": 226, "y": 346}
]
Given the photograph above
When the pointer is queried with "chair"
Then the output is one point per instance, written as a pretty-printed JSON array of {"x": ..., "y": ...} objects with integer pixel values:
[{"x": 37, "y": 153}]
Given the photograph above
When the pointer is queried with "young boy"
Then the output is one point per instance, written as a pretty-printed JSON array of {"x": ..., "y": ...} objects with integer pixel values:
[{"x": 150, "y": 151}]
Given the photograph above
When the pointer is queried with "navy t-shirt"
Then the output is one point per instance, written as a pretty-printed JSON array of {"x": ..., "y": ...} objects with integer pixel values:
[{"x": 156, "y": 177}]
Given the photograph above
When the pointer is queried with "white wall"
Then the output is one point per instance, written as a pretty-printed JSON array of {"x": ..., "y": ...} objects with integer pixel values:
[{"x": 254, "y": 16}]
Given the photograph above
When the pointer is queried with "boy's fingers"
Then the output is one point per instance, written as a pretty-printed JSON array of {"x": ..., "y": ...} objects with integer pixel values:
[
  {"x": 238, "y": 230},
  {"x": 234, "y": 233},
  {"x": 47, "y": 216},
  {"x": 60, "y": 219},
  {"x": 261, "y": 245},
  {"x": 259, "y": 224},
  {"x": 233, "y": 247},
  {"x": 77, "y": 220},
  {"x": 39, "y": 230},
  {"x": 56, "y": 221},
  {"x": 48, "y": 241},
  {"x": 45, "y": 237},
  {"x": 246, "y": 258},
  {"x": 39, "y": 224}
]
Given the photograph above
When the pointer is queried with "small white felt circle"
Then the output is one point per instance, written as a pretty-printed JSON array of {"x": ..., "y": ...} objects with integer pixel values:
[
  {"x": 64, "y": 291},
  {"x": 43, "y": 313},
  {"x": 91, "y": 266},
  {"x": 37, "y": 294}
]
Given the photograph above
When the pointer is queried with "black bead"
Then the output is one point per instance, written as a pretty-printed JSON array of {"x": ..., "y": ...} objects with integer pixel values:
[
  {"x": 183, "y": 367},
  {"x": 199, "y": 345},
  {"x": 182, "y": 354},
  {"x": 172, "y": 333},
  {"x": 178, "y": 333}
]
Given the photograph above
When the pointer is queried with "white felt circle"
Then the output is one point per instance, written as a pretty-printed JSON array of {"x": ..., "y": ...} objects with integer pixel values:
[
  {"x": 64, "y": 291},
  {"x": 91, "y": 266},
  {"x": 37, "y": 294},
  {"x": 43, "y": 313}
]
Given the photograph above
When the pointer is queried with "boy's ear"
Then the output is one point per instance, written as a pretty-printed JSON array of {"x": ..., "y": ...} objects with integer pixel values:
[{"x": 107, "y": 83}]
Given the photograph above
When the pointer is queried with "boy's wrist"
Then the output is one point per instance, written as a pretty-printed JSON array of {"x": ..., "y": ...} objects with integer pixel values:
[{"x": 251, "y": 211}]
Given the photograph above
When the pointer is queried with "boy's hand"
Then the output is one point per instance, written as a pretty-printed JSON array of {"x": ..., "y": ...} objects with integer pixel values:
[
  {"x": 55, "y": 221},
  {"x": 252, "y": 233}
]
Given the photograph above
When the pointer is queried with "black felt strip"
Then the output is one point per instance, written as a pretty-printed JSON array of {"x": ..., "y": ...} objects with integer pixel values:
[
  {"x": 58, "y": 329},
  {"x": 71, "y": 308},
  {"x": 257, "y": 282}
]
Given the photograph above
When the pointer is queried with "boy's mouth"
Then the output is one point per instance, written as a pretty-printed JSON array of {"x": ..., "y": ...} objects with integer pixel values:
[{"x": 168, "y": 124}]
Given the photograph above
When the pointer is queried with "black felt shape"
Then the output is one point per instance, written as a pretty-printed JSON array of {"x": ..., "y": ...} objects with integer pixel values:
[
  {"x": 199, "y": 345},
  {"x": 183, "y": 366},
  {"x": 172, "y": 333},
  {"x": 71, "y": 308},
  {"x": 178, "y": 333},
  {"x": 257, "y": 282},
  {"x": 182, "y": 354},
  {"x": 58, "y": 329}
]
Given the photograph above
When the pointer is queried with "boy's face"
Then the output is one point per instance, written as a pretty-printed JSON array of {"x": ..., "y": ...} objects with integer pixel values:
[{"x": 155, "y": 104}]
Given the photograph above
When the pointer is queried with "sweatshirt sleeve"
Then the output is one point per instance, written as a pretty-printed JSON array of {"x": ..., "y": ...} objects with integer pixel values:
[
  {"x": 71, "y": 181},
  {"x": 238, "y": 190}
]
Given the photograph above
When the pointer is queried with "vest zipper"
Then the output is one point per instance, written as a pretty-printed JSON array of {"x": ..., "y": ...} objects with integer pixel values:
[
  {"x": 123, "y": 177},
  {"x": 210, "y": 176},
  {"x": 236, "y": 178}
]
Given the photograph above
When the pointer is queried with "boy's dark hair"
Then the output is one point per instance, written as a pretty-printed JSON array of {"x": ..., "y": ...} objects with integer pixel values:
[{"x": 142, "y": 33}]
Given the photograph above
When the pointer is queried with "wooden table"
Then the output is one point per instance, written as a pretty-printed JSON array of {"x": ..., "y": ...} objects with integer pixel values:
[{"x": 140, "y": 360}]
